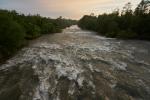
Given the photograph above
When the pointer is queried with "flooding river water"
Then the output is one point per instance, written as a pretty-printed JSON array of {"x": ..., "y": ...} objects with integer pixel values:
[{"x": 78, "y": 65}]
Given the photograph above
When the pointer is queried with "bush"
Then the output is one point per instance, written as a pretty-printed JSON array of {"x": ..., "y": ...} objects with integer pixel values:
[
  {"x": 48, "y": 28},
  {"x": 88, "y": 22},
  {"x": 126, "y": 35},
  {"x": 111, "y": 34},
  {"x": 11, "y": 35},
  {"x": 32, "y": 31}
]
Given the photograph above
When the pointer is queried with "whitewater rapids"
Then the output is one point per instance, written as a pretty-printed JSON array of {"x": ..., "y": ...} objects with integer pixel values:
[{"x": 78, "y": 65}]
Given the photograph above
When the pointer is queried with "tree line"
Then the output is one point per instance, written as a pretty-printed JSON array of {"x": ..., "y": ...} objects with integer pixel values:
[
  {"x": 16, "y": 29},
  {"x": 127, "y": 24}
]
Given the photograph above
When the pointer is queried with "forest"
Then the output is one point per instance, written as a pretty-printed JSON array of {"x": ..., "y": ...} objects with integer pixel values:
[
  {"x": 16, "y": 29},
  {"x": 125, "y": 24}
]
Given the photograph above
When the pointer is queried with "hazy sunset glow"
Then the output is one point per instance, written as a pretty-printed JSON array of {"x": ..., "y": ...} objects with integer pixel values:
[{"x": 74, "y": 9}]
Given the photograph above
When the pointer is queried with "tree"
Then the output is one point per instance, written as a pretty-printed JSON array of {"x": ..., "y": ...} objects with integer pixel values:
[
  {"x": 128, "y": 25},
  {"x": 88, "y": 22},
  {"x": 32, "y": 31},
  {"x": 11, "y": 35},
  {"x": 127, "y": 9},
  {"x": 143, "y": 7},
  {"x": 15, "y": 28}
]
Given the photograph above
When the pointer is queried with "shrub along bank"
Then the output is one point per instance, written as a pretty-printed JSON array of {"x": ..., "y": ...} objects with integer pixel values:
[
  {"x": 126, "y": 25},
  {"x": 16, "y": 29}
]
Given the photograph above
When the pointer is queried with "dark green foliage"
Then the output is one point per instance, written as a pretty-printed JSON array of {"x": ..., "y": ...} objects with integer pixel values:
[
  {"x": 128, "y": 25},
  {"x": 88, "y": 22},
  {"x": 126, "y": 35},
  {"x": 11, "y": 35},
  {"x": 48, "y": 27},
  {"x": 63, "y": 23},
  {"x": 32, "y": 31},
  {"x": 16, "y": 28}
]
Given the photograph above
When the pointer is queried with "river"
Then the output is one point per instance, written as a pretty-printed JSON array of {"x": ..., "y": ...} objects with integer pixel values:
[{"x": 78, "y": 65}]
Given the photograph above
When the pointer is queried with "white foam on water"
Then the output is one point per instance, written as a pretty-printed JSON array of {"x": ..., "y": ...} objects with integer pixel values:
[
  {"x": 71, "y": 89},
  {"x": 91, "y": 68},
  {"x": 46, "y": 45},
  {"x": 73, "y": 60},
  {"x": 118, "y": 64},
  {"x": 70, "y": 72},
  {"x": 80, "y": 81}
]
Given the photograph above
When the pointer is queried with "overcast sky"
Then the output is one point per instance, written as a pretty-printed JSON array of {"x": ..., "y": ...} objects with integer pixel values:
[{"x": 74, "y": 9}]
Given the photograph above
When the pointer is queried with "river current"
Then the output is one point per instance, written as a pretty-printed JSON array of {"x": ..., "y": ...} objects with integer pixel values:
[{"x": 78, "y": 65}]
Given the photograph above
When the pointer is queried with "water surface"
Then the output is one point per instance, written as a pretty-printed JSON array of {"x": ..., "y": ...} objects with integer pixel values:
[{"x": 78, "y": 65}]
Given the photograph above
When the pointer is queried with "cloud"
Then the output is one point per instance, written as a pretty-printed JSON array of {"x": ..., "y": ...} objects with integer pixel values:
[{"x": 67, "y": 8}]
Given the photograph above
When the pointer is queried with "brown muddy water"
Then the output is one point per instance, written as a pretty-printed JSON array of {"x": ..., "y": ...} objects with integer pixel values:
[{"x": 78, "y": 65}]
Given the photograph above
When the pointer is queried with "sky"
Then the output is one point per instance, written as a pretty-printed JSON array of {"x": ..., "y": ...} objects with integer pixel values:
[{"x": 73, "y": 9}]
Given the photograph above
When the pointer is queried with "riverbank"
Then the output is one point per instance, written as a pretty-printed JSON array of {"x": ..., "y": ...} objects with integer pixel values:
[
  {"x": 3, "y": 60},
  {"x": 16, "y": 29},
  {"x": 125, "y": 24}
]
